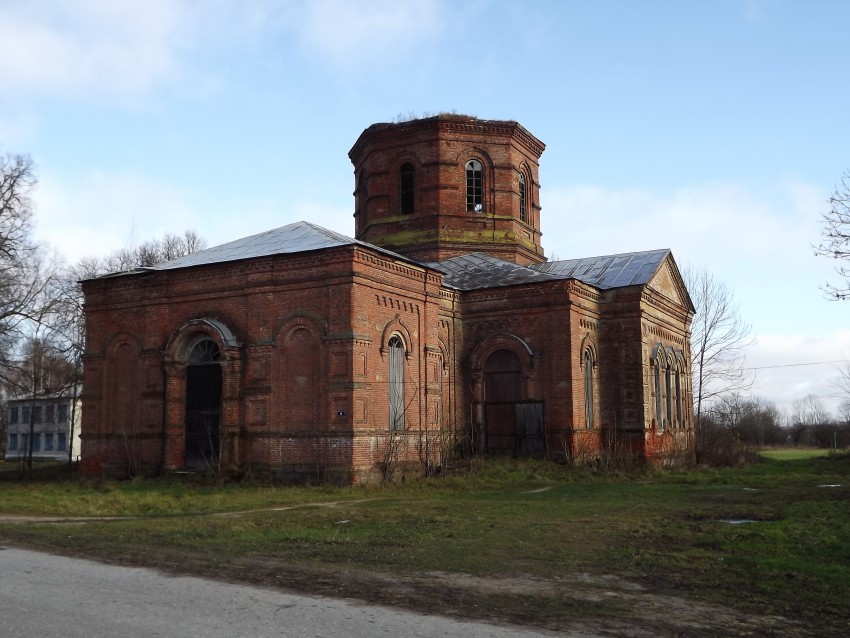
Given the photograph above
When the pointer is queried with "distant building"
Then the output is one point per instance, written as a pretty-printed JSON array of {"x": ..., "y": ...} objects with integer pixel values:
[
  {"x": 439, "y": 330},
  {"x": 52, "y": 431}
]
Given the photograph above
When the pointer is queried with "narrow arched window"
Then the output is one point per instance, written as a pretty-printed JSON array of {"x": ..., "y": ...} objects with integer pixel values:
[
  {"x": 360, "y": 199},
  {"x": 659, "y": 415},
  {"x": 588, "y": 388},
  {"x": 668, "y": 387},
  {"x": 679, "y": 394},
  {"x": 396, "y": 383},
  {"x": 523, "y": 199},
  {"x": 406, "y": 183},
  {"x": 474, "y": 186}
]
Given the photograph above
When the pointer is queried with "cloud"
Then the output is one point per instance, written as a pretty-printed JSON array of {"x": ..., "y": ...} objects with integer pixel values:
[
  {"x": 99, "y": 213},
  {"x": 791, "y": 366},
  {"x": 351, "y": 34},
  {"x": 703, "y": 223},
  {"x": 90, "y": 49},
  {"x": 86, "y": 46}
]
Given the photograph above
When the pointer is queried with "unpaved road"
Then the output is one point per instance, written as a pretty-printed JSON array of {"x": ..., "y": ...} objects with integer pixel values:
[{"x": 58, "y": 597}]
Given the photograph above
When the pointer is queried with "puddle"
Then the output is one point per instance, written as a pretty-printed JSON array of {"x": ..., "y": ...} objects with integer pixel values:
[
  {"x": 751, "y": 489},
  {"x": 738, "y": 521},
  {"x": 832, "y": 485}
]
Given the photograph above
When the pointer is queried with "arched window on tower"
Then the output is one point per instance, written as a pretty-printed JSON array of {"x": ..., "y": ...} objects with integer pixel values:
[
  {"x": 396, "y": 383},
  {"x": 523, "y": 199},
  {"x": 474, "y": 186},
  {"x": 406, "y": 183},
  {"x": 360, "y": 200}
]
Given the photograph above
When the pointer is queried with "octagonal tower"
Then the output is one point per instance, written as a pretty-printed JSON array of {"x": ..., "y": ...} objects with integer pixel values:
[{"x": 449, "y": 185}]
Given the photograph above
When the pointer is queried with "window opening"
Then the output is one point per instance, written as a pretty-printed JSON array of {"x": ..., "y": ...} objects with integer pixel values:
[
  {"x": 203, "y": 406},
  {"x": 474, "y": 186},
  {"x": 407, "y": 182},
  {"x": 588, "y": 388},
  {"x": 63, "y": 412},
  {"x": 48, "y": 441},
  {"x": 51, "y": 409},
  {"x": 668, "y": 387},
  {"x": 13, "y": 442},
  {"x": 523, "y": 204},
  {"x": 679, "y": 394},
  {"x": 396, "y": 383},
  {"x": 13, "y": 415},
  {"x": 659, "y": 417},
  {"x": 60, "y": 441},
  {"x": 205, "y": 351}
]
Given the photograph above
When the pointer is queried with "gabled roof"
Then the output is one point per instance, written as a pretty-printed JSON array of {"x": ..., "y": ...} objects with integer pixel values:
[
  {"x": 609, "y": 271},
  {"x": 292, "y": 238},
  {"x": 474, "y": 271},
  {"x": 477, "y": 271}
]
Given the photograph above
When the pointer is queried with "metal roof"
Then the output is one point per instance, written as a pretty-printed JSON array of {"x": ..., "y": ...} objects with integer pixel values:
[
  {"x": 608, "y": 271},
  {"x": 293, "y": 238},
  {"x": 477, "y": 271},
  {"x": 467, "y": 272}
]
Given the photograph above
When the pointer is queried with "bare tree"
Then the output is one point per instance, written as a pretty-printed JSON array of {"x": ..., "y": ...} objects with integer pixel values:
[
  {"x": 42, "y": 368},
  {"x": 146, "y": 254},
  {"x": 835, "y": 240},
  {"x": 807, "y": 413},
  {"x": 809, "y": 410},
  {"x": 844, "y": 412},
  {"x": 19, "y": 282},
  {"x": 719, "y": 337}
]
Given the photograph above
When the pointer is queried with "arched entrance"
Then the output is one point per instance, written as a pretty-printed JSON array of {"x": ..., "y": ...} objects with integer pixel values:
[
  {"x": 502, "y": 391},
  {"x": 203, "y": 406}
]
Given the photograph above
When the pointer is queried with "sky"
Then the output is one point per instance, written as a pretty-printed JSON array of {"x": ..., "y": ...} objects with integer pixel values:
[{"x": 718, "y": 129}]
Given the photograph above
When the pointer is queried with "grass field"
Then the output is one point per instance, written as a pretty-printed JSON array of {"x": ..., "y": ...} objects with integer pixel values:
[
  {"x": 759, "y": 550},
  {"x": 793, "y": 453}
]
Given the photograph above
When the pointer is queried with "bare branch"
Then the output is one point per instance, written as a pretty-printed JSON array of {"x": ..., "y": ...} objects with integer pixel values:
[
  {"x": 835, "y": 237},
  {"x": 719, "y": 337}
]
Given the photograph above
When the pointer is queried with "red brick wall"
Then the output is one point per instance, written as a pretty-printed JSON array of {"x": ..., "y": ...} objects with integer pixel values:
[{"x": 341, "y": 306}]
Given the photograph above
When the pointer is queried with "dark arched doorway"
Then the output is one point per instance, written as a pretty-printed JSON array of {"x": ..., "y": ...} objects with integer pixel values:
[
  {"x": 203, "y": 406},
  {"x": 502, "y": 391},
  {"x": 512, "y": 424}
]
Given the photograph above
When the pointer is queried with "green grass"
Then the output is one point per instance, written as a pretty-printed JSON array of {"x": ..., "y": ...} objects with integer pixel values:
[
  {"x": 791, "y": 454},
  {"x": 498, "y": 520}
]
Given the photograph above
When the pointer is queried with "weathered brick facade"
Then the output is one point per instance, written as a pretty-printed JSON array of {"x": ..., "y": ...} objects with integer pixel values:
[{"x": 289, "y": 352}]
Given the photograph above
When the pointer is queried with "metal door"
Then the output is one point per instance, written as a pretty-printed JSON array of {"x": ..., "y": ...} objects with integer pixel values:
[
  {"x": 529, "y": 424},
  {"x": 502, "y": 390}
]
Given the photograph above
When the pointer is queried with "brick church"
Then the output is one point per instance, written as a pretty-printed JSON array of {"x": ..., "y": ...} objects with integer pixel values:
[{"x": 440, "y": 330}]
